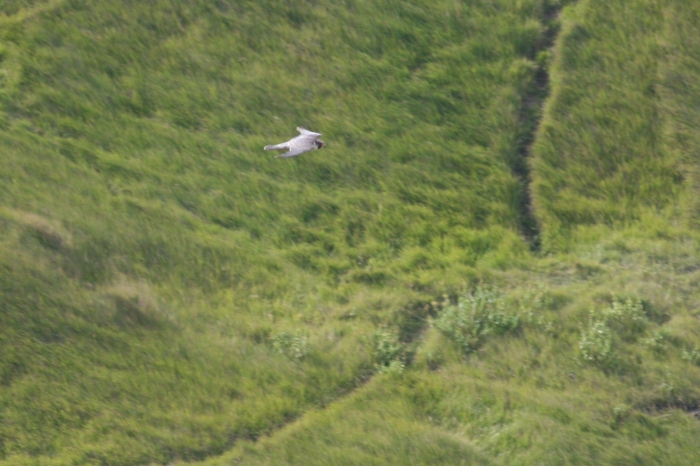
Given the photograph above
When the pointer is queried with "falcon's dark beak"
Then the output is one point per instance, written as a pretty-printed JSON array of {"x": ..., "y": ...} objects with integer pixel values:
[{"x": 320, "y": 144}]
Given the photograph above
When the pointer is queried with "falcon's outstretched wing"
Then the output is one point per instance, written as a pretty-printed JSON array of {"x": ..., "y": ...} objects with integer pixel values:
[{"x": 306, "y": 132}]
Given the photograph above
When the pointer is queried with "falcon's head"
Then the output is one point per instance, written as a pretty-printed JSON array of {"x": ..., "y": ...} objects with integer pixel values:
[{"x": 319, "y": 144}]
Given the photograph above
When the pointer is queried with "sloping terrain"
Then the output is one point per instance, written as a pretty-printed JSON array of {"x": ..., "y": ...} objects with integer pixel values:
[
  {"x": 173, "y": 294},
  {"x": 589, "y": 357},
  {"x": 168, "y": 287},
  {"x": 602, "y": 157},
  {"x": 573, "y": 360}
]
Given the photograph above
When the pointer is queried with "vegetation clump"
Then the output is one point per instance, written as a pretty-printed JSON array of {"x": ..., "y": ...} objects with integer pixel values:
[
  {"x": 296, "y": 345},
  {"x": 596, "y": 342},
  {"x": 387, "y": 351},
  {"x": 475, "y": 317}
]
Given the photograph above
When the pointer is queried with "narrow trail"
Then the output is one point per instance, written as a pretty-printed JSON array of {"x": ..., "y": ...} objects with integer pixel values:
[
  {"x": 532, "y": 102},
  {"x": 412, "y": 325}
]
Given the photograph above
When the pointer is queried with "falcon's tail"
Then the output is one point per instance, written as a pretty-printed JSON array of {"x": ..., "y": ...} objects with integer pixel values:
[{"x": 276, "y": 146}]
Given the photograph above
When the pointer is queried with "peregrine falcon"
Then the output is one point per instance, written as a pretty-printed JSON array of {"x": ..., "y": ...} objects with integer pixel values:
[{"x": 305, "y": 142}]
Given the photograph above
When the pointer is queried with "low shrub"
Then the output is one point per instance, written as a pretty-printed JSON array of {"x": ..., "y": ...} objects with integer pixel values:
[
  {"x": 294, "y": 345},
  {"x": 475, "y": 317},
  {"x": 596, "y": 342},
  {"x": 387, "y": 351},
  {"x": 624, "y": 320},
  {"x": 692, "y": 355}
]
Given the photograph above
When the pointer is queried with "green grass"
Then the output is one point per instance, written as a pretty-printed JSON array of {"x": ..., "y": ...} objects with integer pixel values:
[
  {"x": 602, "y": 367},
  {"x": 532, "y": 396},
  {"x": 194, "y": 290},
  {"x": 601, "y": 155},
  {"x": 679, "y": 96},
  {"x": 115, "y": 372},
  {"x": 378, "y": 425},
  {"x": 171, "y": 293}
]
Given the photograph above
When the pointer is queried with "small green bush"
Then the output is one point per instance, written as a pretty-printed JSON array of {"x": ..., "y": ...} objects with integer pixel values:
[
  {"x": 596, "y": 342},
  {"x": 294, "y": 345},
  {"x": 629, "y": 311},
  {"x": 626, "y": 318},
  {"x": 476, "y": 316},
  {"x": 387, "y": 350},
  {"x": 692, "y": 355},
  {"x": 658, "y": 341},
  {"x": 531, "y": 306}
]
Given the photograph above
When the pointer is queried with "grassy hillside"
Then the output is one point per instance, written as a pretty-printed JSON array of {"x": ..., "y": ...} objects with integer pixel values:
[
  {"x": 601, "y": 157},
  {"x": 173, "y": 294},
  {"x": 581, "y": 358},
  {"x": 601, "y": 367},
  {"x": 679, "y": 75},
  {"x": 170, "y": 288}
]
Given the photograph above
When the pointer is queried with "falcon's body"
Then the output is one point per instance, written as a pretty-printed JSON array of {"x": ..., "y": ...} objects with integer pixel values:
[{"x": 305, "y": 142}]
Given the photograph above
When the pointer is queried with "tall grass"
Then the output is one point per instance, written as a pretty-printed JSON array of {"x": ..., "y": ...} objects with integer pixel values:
[
  {"x": 173, "y": 294},
  {"x": 169, "y": 288},
  {"x": 602, "y": 368},
  {"x": 600, "y": 157},
  {"x": 541, "y": 394},
  {"x": 679, "y": 95}
]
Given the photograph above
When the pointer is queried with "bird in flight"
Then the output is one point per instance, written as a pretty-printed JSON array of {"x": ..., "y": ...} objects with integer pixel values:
[{"x": 305, "y": 142}]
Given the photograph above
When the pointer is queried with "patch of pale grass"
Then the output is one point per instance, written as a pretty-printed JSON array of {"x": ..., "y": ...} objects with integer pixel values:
[
  {"x": 50, "y": 233},
  {"x": 135, "y": 302}
]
